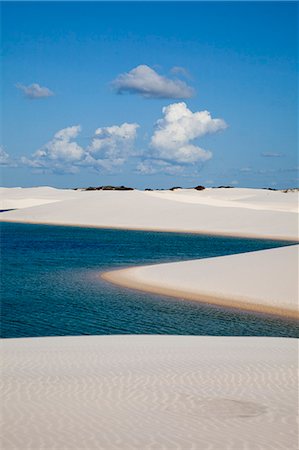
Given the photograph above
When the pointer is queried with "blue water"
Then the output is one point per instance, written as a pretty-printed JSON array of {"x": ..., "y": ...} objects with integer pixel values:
[{"x": 51, "y": 284}]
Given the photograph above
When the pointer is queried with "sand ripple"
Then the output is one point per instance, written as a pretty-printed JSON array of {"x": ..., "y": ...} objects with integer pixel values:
[{"x": 149, "y": 392}]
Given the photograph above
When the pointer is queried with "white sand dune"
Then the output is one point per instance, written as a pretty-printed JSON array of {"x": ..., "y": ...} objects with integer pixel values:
[
  {"x": 149, "y": 392},
  {"x": 163, "y": 392},
  {"x": 260, "y": 199},
  {"x": 18, "y": 198},
  {"x": 239, "y": 212},
  {"x": 264, "y": 281},
  {"x": 272, "y": 284}
]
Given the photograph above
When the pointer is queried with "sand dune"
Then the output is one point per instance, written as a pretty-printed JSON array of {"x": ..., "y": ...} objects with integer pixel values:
[
  {"x": 163, "y": 392},
  {"x": 271, "y": 286},
  {"x": 264, "y": 281},
  {"x": 149, "y": 392},
  {"x": 239, "y": 212},
  {"x": 259, "y": 199},
  {"x": 19, "y": 198}
]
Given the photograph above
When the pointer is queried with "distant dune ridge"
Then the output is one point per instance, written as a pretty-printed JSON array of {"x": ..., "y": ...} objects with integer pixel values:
[
  {"x": 164, "y": 392},
  {"x": 242, "y": 212}
]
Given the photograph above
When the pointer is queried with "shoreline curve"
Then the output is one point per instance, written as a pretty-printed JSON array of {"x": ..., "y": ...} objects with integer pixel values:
[
  {"x": 171, "y": 279},
  {"x": 121, "y": 278},
  {"x": 291, "y": 239}
]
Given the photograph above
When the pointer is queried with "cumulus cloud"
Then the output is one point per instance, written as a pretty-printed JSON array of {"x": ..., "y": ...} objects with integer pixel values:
[
  {"x": 152, "y": 166},
  {"x": 62, "y": 147},
  {"x": 34, "y": 91},
  {"x": 102, "y": 164},
  {"x": 172, "y": 148},
  {"x": 4, "y": 157},
  {"x": 109, "y": 149},
  {"x": 145, "y": 81},
  {"x": 111, "y": 146},
  {"x": 61, "y": 154},
  {"x": 175, "y": 132},
  {"x": 6, "y": 160},
  {"x": 114, "y": 140}
]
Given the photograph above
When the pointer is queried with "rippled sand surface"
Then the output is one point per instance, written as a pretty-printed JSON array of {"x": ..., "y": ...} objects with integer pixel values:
[{"x": 149, "y": 392}]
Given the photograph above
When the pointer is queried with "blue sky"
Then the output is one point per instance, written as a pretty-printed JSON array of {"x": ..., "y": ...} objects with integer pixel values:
[{"x": 116, "y": 93}]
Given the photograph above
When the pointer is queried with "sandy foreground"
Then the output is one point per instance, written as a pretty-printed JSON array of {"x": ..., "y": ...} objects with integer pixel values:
[{"x": 149, "y": 392}]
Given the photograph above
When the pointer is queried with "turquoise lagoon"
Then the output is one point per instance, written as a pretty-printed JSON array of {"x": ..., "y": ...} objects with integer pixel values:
[{"x": 50, "y": 284}]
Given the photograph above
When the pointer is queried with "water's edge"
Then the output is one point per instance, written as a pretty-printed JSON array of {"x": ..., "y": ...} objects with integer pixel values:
[{"x": 51, "y": 287}]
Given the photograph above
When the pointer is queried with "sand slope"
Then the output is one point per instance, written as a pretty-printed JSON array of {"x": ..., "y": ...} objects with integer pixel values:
[
  {"x": 11, "y": 198},
  {"x": 265, "y": 280},
  {"x": 240, "y": 212},
  {"x": 149, "y": 392}
]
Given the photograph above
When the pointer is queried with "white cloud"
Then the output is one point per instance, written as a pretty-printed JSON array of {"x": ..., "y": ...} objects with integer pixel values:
[
  {"x": 172, "y": 148},
  {"x": 4, "y": 157},
  {"x": 148, "y": 83},
  {"x": 35, "y": 91},
  {"x": 109, "y": 149},
  {"x": 151, "y": 167},
  {"x": 111, "y": 146},
  {"x": 61, "y": 147},
  {"x": 104, "y": 164},
  {"x": 174, "y": 133},
  {"x": 61, "y": 154},
  {"x": 6, "y": 160},
  {"x": 114, "y": 140},
  {"x": 68, "y": 133}
]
